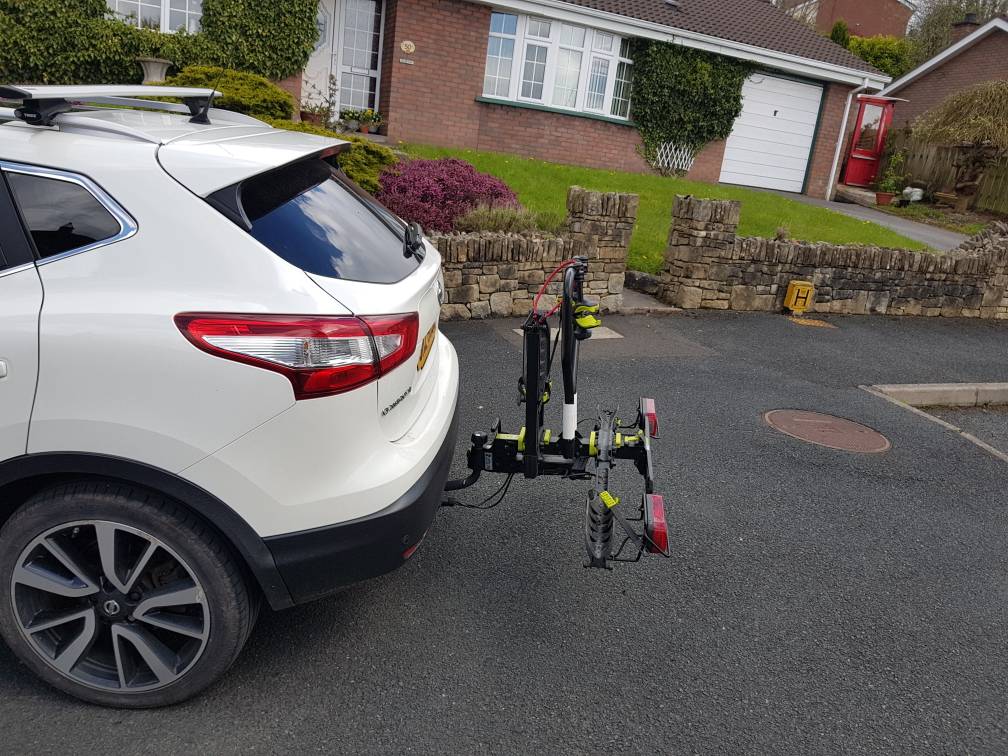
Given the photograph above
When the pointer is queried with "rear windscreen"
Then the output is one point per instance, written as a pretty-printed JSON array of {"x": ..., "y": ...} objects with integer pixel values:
[{"x": 315, "y": 218}]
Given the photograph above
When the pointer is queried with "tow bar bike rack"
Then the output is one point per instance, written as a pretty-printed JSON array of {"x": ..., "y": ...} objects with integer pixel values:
[{"x": 535, "y": 451}]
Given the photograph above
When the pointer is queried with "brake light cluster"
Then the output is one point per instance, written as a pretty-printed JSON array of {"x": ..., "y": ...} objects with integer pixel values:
[{"x": 320, "y": 356}]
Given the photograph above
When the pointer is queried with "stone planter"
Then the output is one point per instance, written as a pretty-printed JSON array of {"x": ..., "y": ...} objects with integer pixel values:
[{"x": 154, "y": 69}]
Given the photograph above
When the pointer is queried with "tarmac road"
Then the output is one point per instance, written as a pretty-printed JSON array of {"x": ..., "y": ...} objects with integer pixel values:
[{"x": 816, "y": 602}]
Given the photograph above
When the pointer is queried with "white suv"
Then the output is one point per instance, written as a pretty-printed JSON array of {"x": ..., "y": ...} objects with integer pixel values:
[{"x": 221, "y": 380}]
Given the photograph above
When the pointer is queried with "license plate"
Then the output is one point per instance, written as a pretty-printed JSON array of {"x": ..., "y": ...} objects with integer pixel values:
[{"x": 425, "y": 349}]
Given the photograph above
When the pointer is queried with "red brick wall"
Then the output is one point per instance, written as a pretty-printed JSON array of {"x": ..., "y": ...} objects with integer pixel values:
[
  {"x": 559, "y": 138},
  {"x": 866, "y": 18},
  {"x": 433, "y": 101},
  {"x": 292, "y": 84},
  {"x": 707, "y": 165},
  {"x": 985, "y": 60},
  {"x": 830, "y": 124}
]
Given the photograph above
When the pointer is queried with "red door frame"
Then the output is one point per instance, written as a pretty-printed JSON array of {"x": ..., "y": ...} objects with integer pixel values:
[{"x": 863, "y": 165}]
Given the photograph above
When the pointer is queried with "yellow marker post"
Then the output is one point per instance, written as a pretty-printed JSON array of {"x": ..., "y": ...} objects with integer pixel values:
[{"x": 800, "y": 296}]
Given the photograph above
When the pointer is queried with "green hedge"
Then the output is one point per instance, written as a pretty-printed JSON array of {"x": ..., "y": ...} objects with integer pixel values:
[
  {"x": 79, "y": 42},
  {"x": 363, "y": 162},
  {"x": 243, "y": 92},
  {"x": 890, "y": 55},
  {"x": 269, "y": 37},
  {"x": 65, "y": 42}
]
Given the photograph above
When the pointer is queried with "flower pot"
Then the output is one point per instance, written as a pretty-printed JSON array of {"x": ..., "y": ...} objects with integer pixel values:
[
  {"x": 312, "y": 118},
  {"x": 373, "y": 128},
  {"x": 884, "y": 198},
  {"x": 154, "y": 69},
  {"x": 365, "y": 128}
]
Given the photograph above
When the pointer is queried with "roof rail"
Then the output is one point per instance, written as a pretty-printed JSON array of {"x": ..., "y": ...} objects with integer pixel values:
[{"x": 42, "y": 104}]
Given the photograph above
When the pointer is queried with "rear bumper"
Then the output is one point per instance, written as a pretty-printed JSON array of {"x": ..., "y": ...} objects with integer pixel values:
[{"x": 316, "y": 562}]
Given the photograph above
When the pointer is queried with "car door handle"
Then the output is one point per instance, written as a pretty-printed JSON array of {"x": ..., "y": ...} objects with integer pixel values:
[{"x": 3, "y": 369}]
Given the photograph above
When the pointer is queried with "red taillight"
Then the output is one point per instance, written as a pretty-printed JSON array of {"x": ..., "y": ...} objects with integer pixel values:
[
  {"x": 320, "y": 356},
  {"x": 655, "y": 525},
  {"x": 649, "y": 411},
  {"x": 395, "y": 337}
]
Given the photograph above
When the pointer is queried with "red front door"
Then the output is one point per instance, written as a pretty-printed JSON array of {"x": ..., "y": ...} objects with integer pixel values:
[{"x": 868, "y": 141}]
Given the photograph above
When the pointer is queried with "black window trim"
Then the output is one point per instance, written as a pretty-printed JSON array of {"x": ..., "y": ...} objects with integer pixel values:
[
  {"x": 127, "y": 225},
  {"x": 16, "y": 251}
]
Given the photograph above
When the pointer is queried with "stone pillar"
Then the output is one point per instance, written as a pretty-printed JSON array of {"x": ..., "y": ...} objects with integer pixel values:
[
  {"x": 702, "y": 234},
  {"x": 600, "y": 226}
]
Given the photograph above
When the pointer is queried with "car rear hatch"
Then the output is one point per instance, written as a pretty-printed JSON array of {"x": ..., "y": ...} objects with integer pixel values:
[
  {"x": 347, "y": 243},
  {"x": 402, "y": 393}
]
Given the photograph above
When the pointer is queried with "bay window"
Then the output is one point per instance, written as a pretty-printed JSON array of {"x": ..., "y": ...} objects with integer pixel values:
[
  {"x": 161, "y": 15},
  {"x": 556, "y": 64}
]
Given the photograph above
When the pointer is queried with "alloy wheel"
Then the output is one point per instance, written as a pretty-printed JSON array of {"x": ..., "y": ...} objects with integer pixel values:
[{"x": 109, "y": 606}]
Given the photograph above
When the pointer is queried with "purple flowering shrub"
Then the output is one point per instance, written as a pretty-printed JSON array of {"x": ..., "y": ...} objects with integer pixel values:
[{"x": 434, "y": 193}]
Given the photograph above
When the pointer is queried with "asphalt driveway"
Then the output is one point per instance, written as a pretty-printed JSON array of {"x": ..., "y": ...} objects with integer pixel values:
[{"x": 816, "y": 601}]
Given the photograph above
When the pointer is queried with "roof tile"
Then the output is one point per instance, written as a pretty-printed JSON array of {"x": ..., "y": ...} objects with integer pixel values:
[{"x": 750, "y": 22}]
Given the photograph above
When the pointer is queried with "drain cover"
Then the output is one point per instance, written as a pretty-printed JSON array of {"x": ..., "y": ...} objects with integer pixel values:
[{"x": 827, "y": 430}]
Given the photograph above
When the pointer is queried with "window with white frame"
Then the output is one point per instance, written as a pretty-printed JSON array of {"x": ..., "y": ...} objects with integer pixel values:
[
  {"x": 561, "y": 65},
  {"x": 500, "y": 55},
  {"x": 162, "y": 15}
]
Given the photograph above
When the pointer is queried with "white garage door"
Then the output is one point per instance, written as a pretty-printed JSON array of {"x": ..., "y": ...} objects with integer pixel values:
[{"x": 770, "y": 143}]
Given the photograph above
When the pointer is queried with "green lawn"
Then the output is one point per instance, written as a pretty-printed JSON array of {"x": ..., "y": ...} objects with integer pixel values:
[{"x": 543, "y": 186}]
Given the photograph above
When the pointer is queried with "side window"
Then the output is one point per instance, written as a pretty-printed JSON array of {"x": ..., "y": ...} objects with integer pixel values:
[
  {"x": 15, "y": 249},
  {"x": 60, "y": 215}
]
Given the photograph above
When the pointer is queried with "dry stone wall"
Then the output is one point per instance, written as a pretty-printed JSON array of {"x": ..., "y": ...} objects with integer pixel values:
[
  {"x": 497, "y": 275},
  {"x": 708, "y": 266}
]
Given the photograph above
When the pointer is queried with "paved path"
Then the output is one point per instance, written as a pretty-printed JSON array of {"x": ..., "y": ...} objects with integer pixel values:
[
  {"x": 937, "y": 238},
  {"x": 817, "y": 601}
]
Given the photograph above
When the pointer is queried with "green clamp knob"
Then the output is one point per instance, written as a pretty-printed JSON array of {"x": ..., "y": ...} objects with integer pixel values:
[{"x": 586, "y": 315}]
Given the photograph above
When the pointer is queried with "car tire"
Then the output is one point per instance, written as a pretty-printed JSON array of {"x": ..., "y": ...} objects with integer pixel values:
[{"x": 119, "y": 596}]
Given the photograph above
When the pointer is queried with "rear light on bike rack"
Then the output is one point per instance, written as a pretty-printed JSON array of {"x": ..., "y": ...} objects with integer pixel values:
[
  {"x": 320, "y": 356},
  {"x": 649, "y": 411},
  {"x": 655, "y": 525}
]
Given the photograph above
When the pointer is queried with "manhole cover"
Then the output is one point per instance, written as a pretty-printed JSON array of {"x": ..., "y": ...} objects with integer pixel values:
[{"x": 827, "y": 430}]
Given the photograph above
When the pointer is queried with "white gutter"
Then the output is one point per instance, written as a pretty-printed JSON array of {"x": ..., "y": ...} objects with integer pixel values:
[
  {"x": 840, "y": 138},
  {"x": 634, "y": 27}
]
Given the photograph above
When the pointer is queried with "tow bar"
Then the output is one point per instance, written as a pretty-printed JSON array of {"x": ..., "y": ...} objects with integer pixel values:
[{"x": 536, "y": 450}]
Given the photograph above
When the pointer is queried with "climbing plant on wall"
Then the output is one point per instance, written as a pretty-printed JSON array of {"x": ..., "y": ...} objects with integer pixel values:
[
  {"x": 80, "y": 42},
  {"x": 64, "y": 42},
  {"x": 684, "y": 97},
  {"x": 270, "y": 38}
]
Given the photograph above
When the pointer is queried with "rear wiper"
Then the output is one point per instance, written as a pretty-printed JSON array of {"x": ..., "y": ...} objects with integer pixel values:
[{"x": 413, "y": 245}]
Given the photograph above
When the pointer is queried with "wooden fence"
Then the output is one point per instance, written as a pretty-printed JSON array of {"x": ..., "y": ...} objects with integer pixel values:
[{"x": 935, "y": 166}]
